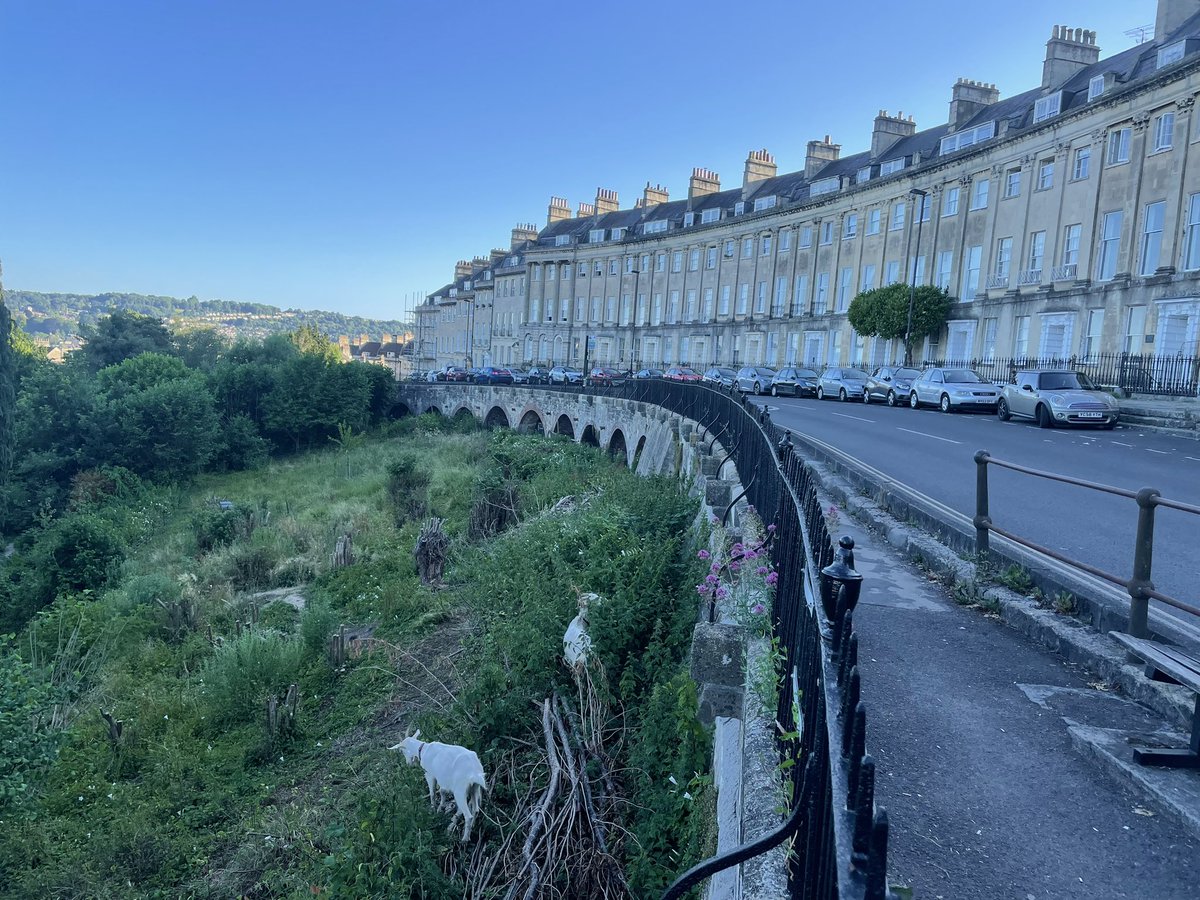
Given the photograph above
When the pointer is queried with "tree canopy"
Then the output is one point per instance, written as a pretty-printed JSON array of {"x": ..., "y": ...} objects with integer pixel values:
[
  {"x": 883, "y": 312},
  {"x": 122, "y": 335}
]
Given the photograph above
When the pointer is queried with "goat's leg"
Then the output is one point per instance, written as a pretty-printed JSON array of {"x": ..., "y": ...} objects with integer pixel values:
[
  {"x": 464, "y": 807},
  {"x": 429, "y": 780}
]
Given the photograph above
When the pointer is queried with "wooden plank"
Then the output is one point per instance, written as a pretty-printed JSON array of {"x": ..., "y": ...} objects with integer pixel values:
[{"x": 1168, "y": 660}]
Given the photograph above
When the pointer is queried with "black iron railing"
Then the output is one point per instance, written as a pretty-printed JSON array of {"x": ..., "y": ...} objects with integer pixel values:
[
  {"x": 1172, "y": 375},
  {"x": 837, "y": 836}
]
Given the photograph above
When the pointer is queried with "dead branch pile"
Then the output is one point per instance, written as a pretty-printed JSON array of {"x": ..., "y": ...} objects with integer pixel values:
[
  {"x": 431, "y": 551},
  {"x": 572, "y": 837}
]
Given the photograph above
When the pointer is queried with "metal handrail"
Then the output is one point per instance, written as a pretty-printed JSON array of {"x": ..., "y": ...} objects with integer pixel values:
[{"x": 1139, "y": 586}]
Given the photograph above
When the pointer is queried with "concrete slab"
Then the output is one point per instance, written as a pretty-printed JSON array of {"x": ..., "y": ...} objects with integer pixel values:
[{"x": 727, "y": 777}]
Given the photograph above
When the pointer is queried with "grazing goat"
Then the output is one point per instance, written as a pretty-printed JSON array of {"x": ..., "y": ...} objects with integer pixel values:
[
  {"x": 450, "y": 768},
  {"x": 577, "y": 643}
]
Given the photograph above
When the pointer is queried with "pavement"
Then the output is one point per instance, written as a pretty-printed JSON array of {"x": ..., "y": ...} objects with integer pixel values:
[
  {"x": 1179, "y": 416},
  {"x": 990, "y": 756}
]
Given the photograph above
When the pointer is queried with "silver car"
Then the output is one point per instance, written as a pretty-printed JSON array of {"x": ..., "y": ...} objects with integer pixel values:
[
  {"x": 754, "y": 378},
  {"x": 950, "y": 389},
  {"x": 1057, "y": 397},
  {"x": 891, "y": 384},
  {"x": 845, "y": 384}
]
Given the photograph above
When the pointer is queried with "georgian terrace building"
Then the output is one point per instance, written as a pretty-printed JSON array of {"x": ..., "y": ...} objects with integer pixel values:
[{"x": 1064, "y": 220}]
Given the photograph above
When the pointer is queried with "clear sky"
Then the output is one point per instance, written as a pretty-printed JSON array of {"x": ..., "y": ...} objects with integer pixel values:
[{"x": 343, "y": 154}]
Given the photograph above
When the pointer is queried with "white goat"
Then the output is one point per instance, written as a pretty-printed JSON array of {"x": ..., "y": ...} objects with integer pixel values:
[
  {"x": 450, "y": 768},
  {"x": 577, "y": 643}
]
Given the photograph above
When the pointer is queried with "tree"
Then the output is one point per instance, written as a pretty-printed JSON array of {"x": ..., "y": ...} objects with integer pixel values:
[
  {"x": 200, "y": 348},
  {"x": 883, "y": 312},
  {"x": 8, "y": 392},
  {"x": 120, "y": 336},
  {"x": 310, "y": 341}
]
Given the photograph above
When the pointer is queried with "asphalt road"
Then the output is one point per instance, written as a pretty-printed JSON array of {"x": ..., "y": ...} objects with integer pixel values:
[{"x": 933, "y": 453}]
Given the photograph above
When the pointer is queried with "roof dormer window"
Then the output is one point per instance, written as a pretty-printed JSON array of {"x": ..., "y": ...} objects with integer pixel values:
[
  {"x": 1047, "y": 107},
  {"x": 864, "y": 174},
  {"x": 710, "y": 215},
  {"x": 1095, "y": 88},
  {"x": 562, "y": 240},
  {"x": 892, "y": 165},
  {"x": 596, "y": 235},
  {"x": 739, "y": 207},
  {"x": 1171, "y": 53},
  {"x": 824, "y": 186},
  {"x": 689, "y": 219},
  {"x": 962, "y": 139},
  {"x": 618, "y": 234},
  {"x": 656, "y": 227},
  {"x": 466, "y": 285},
  {"x": 765, "y": 203}
]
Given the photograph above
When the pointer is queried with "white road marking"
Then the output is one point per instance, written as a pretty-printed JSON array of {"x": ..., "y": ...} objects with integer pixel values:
[
  {"x": 860, "y": 418},
  {"x": 1152, "y": 450},
  {"x": 1192, "y": 458},
  {"x": 934, "y": 436},
  {"x": 1120, "y": 444}
]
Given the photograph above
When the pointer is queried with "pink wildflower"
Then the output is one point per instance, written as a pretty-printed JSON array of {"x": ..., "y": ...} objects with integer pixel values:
[
  {"x": 703, "y": 554},
  {"x": 761, "y": 570},
  {"x": 771, "y": 527},
  {"x": 711, "y": 579},
  {"x": 702, "y": 589},
  {"x": 758, "y": 609},
  {"x": 720, "y": 593},
  {"x": 734, "y": 566},
  {"x": 772, "y": 577}
]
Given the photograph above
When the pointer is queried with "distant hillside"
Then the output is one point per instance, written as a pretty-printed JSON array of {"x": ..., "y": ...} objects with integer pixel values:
[{"x": 57, "y": 316}]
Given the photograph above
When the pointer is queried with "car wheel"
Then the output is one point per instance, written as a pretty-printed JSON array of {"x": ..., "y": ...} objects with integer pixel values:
[
  {"x": 1002, "y": 412},
  {"x": 944, "y": 403},
  {"x": 774, "y": 391},
  {"x": 757, "y": 389},
  {"x": 891, "y": 398},
  {"x": 1043, "y": 417},
  {"x": 913, "y": 401},
  {"x": 842, "y": 395},
  {"x": 866, "y": 396},
  {"x": 820, "y": 393}
]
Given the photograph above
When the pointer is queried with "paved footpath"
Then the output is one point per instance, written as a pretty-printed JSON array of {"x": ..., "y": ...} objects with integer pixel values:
[{"x": 987, "y": 797}]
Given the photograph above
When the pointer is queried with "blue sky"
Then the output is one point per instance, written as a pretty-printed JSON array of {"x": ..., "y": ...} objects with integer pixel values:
[{"x": 342, "y": 155}]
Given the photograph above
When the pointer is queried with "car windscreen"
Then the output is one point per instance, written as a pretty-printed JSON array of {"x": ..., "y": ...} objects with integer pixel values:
[
  {"x": 906, "y": 373},
  {"x": 1065, "y": 381},
  {"x": 962, "y": 376},
  {"x": 854, "y": 375},
  {"x": 806, "y": 373}
]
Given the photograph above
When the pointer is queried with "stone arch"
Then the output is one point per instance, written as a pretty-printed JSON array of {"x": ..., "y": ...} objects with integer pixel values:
[
  {"x": 433, "y": 408},
  {"x": 531, "y": 423},
  {"x": 590, "y": 437},
  {"x": 564, "y": 426},
  {"x": 399, "y": 410},
  {"x": 617, "y": 449},
  {"x": 637, "y": 453},
  {"x": 463, "y": 410},
  {"x": 496, "y": 418}
]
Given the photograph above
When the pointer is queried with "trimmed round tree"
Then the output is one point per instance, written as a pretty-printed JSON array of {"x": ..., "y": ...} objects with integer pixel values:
[{"x": 883, "y": 312}]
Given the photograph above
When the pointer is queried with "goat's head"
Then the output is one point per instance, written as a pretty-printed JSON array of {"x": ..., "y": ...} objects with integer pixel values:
[{"x": 410, "y": 746}]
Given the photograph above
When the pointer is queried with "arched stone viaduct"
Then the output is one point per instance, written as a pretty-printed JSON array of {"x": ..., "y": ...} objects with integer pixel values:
[{"x": 647, "y": 437}]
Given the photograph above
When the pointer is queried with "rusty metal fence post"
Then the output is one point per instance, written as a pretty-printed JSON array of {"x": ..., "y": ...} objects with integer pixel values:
[
  {"x": 1143, "y": 557},
  {"x": 982, "y": 519}
]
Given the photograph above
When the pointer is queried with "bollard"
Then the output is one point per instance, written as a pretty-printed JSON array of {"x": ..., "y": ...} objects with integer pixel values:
[
  {"x": 1143, "y": 556},
  {"x": 982, "y": 520},
  {"x": 840, "y": 573}
]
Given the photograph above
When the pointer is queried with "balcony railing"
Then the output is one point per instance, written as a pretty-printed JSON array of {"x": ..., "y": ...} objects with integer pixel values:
[
  {"x": 1029, "y": 276},
  {"x": 1064, "y": 273},
  {"x": 997, "y": 282}
]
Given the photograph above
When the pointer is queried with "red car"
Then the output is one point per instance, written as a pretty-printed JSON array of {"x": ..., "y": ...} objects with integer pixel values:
[
  {"x": 679, "y": 373},
  {"x": 606, "y": 375},
  {"x": 454, "y": 373}
]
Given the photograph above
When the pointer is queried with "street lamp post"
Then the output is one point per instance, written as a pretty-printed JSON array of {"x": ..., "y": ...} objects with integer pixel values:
[
  {"x": 637, "y": 274},
  {"x": 912, "y": 289}
]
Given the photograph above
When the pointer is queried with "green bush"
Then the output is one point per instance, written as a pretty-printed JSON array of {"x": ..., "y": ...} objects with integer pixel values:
[
  {"x": 408, "y": 484},
  {"x": 317, "y": 623},
  {"x": 245, "y": 670},
  {"x": 27, "y": 742},
  {"x": 214, "y": 527}
]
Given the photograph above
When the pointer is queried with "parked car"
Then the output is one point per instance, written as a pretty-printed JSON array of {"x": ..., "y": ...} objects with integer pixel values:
[
  {"x": 719, "y": 376},
  {"x": 648, "y": 373},
  {"x": 891, "y": 384},
  {"x": 795, "y": 382},
  {"x": 951, "y": 389},
  {"x": 566, "y": 375},
  {"x": 520, "y": 376},
  {"x": 845, "y": 384},
  {"x": 606, "y": 375},
  {"x": 453, "y": 373},
  {"x": 754, "y": 378},
  {"x": 538, "y": 375},
  {"x": 433, "y": 376},
  {"x": 681, "y": 373},
  {"x": 1057, "y": 397},
  {"x": 493, "y": 375}
]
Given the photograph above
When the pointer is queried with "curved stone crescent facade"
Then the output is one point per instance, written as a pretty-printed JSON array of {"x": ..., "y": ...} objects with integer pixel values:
[{"x": 1065, "y": 222}]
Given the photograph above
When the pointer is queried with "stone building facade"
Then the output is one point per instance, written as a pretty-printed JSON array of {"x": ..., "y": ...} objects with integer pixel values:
[{"x": 1064, "y": 221}]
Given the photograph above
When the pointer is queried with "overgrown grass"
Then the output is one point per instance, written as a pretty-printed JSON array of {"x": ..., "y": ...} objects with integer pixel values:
[{"x": 193, "y": 799}]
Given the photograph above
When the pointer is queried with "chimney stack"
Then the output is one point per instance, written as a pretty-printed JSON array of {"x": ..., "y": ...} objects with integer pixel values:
[
  {"x": 702, "y": 183},
  {"x": 819, "y": 153},
  {"x": 525, "y": 231},
  {"x": 653, "y": 195},
  {"x": 760, "y": 165},
  {"x": 479, "y": 263},
  {"x": 559, "y": 209},
  {"x": 888, "y": 130},
  {"x": 462, "y": 269},
  {"x": 497, "y": 255},
  {"x": 585, "y": 210},
  {"x": 1171, "y": 14},
  {"x": 1068, "y": 51},
  {"x": 606, "y": 201},
  {"x": 969, "y": 97}
]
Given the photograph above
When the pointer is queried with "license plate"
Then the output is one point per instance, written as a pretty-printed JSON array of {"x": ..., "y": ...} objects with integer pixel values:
[{"x": 1090, "y": 415}]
